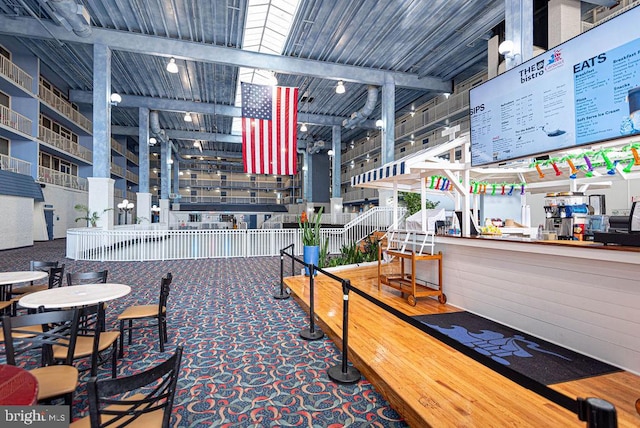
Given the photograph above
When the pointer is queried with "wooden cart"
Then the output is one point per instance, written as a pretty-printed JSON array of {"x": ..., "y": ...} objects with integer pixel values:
[{"x": 414, "y": 247}]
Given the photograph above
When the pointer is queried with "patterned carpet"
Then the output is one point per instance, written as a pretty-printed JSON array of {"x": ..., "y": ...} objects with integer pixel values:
[{"x": 244, "y": 364}]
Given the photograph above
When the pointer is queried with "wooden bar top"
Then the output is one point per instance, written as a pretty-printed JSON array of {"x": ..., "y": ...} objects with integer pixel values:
[{"x": 432, "y": 384}]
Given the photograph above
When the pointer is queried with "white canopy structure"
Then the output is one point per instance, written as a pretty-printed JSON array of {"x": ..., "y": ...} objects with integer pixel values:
[{"x": 417, "y": 173}]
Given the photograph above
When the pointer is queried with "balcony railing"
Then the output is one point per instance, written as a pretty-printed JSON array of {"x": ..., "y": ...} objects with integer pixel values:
[
  {"x": 117, "y": 170},
  {"x": 14, "y": 120},
  {"x": 7, "y": 163},
  {"x": 65, "y": 108},
  {"x": 63, "y": 143},
  {"x": 132, "y": 177},
  {"x": 229, "y": 200},
  {"x": 16, "y": 74},
  {"x": 118, "y": 147},
  {"x": 51, "y": 176},
  {"x": 132, "y": 157}
]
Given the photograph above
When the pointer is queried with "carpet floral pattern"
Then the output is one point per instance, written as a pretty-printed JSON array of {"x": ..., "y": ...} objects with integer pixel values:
[{"x": 244, "y": 363}]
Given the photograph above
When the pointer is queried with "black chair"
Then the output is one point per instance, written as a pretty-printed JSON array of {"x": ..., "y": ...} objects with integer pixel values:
[
  {"x": 57, "y": 329},
  {"x": 56, "y": 278},
  {"x": 141, "y": 400},
  {"x": 149, "y": 315},
  {"x": 92, "y": 341},
  {"x": 35, "y": 265},
  {"x": 78, "y": 278}
]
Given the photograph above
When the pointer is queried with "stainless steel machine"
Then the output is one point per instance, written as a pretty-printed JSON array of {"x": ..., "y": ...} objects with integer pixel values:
[{"x": 566, "y": 214}]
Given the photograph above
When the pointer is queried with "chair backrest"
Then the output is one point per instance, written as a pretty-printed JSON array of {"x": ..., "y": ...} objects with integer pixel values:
[
  {"x": 157, "y": 384},
  {"x": 56, "y": 276},
  {"x": 77, "y": 278},
  {"x": 165, "y": 288},
  {"x": 91, "y": 323},
  {"x": 41, "y": 265},
  {"x": 58, "y": 328}
]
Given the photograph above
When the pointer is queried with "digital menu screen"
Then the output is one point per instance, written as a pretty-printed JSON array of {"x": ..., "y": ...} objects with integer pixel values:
[{"x": 580, "y": 92}]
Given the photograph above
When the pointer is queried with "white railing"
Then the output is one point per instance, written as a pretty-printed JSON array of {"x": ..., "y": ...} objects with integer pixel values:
[
  {"x": 14, "y": 120},
  {"x": 51, "y": 176},
  {"x": 63, "y": 143},
  {"x": 7, "y": 163},
  {"x": 64, "y": 107},
  {"x": 16, "y": 74},
  {"x": 145, "y": 244}
]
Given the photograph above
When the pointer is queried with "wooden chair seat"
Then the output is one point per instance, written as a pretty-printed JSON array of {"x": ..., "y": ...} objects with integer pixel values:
[
  {"x": 140, "y": 311},
  {"x": 84, "y": 345},
  {"x": 151, "y": 419},
  {"x": 54, "y": 381},
  {"x": 35, "y": 328}
]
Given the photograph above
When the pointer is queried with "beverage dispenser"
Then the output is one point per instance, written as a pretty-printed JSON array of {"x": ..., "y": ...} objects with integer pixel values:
[{"x": 566, "y": 214}]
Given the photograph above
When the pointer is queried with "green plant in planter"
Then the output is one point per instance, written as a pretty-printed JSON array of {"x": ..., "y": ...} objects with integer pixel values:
[
  {"x": 91, "y": 217},
  {"x": 311, "y": 230},
  {"x": 412, "y": 202}
]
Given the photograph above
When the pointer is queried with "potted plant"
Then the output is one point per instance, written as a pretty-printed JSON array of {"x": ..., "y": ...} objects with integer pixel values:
[
  {"x": 311, "y": 239},
  {"x": 91, "y": 217}
]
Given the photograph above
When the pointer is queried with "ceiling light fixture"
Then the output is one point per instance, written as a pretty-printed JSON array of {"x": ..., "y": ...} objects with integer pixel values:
[
  {"x": 187, "y": 117},
  {"x": 340, "y": 88},
  {"x": 172, "y": 67},
  {"x": 303, "y": 127},
  {"x": 152, "y": 141},
  {"x": 379, "y": 123},
  {"x": 115, "y": 99},
  {"x": 507, "y": 49}
]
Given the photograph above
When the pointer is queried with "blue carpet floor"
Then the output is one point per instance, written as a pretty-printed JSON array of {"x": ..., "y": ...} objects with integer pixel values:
[{"x": 244, "y": 364}]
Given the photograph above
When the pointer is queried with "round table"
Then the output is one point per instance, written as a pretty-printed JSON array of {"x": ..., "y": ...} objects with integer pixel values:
[
  {"x": 74, "y": 295},
  {"x": 18, "y": 387},
  {"x": 10, "y": 278}
]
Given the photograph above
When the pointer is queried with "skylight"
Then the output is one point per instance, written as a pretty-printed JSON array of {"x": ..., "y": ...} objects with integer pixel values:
[{"x": 266, "y": 29}]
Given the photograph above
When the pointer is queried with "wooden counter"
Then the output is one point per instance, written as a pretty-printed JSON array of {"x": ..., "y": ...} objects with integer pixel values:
[
  {"x": 430, "y": 383},
  {"x": 580, "y": 296}
]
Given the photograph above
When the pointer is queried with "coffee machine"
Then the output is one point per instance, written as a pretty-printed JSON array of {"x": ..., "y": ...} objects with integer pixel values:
[{"x": 566, "y": 214}]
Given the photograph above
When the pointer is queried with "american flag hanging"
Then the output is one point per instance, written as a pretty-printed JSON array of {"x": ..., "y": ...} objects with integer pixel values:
[{"x": 269, "y": 129}]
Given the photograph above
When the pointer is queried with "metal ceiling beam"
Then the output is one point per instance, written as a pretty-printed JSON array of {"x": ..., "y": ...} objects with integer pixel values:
[
  {"x": 181, "y": 135},
  {"x": 165, "y": 104},
  {"x": 162, "y": 46}
]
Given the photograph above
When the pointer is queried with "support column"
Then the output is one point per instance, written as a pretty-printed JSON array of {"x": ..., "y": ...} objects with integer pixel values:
[
  {"x": 101, "y": 185},
  {"x": 336, "y": 210},
  {"x": 165, "y": 170},
  {"x": 564, "y": 21},
  {"x": 493, "y": 58},
  {"x": 388, "y": 133},
  {"x": 519, "y": 29},
  {"x": 336, "y": 146},
  {"x": 176, "y": 177},
  {"x": 306, "y": 174},
  {"x": 143, "y": 196}
]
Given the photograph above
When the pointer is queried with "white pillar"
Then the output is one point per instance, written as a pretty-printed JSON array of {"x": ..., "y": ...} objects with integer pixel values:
[
  {"x": 164, "y": 211},
  {"x": 101, "y": 199},
  {"x": 564, "y": 19},
  {"x": 336, "y": 209},
  {"x": 143, "y": 207}
]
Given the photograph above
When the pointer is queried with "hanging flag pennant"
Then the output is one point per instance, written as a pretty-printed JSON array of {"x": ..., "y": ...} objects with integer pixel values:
[{"x": 269, "y": 129}]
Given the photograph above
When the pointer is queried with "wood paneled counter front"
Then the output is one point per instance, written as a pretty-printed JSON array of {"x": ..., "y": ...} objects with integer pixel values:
[{"x": 583, "y": 297}]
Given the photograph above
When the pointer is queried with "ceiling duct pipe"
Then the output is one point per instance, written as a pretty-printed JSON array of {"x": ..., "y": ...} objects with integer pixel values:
[
  {"x": 359, "y": 117},
  {"x": 72, "y": 16},
  {"x": 315, "y": 147}
]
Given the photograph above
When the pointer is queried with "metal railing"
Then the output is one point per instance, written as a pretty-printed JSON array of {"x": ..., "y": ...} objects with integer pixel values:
[
  {"x": 16, "y": 74},
  {"x": 51, "y": 176},
  {"x": 63, "y": 143},
  {"x": 131, "y": 176},
  {"x": 117, "y": 170},
  {"x": 14, "y": 120},
  {"x": 64, "y": 107},
  {"x": 7, "y": 163},
  {"x": 144, "y": 243}
]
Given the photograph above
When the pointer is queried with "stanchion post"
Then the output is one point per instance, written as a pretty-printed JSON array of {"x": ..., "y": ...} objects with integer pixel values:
[
  {"x": 597, "y": 413},
  {"x": 311, "y": 333},
  {"x": 344, "y": 373},
  {"x": 282, "y": 294}
]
